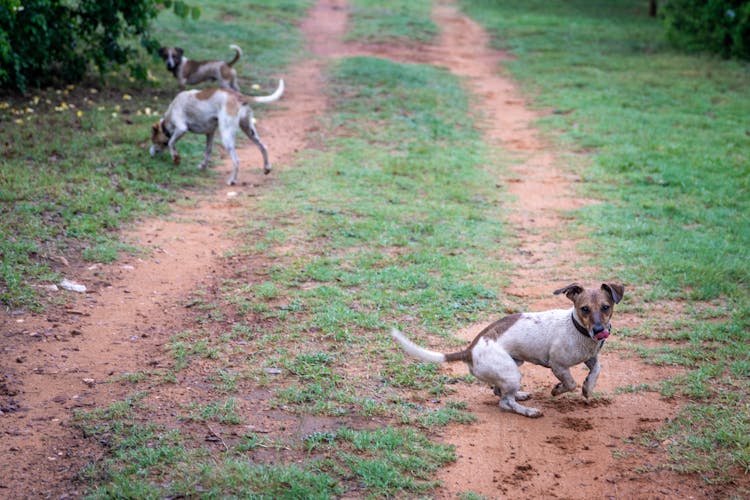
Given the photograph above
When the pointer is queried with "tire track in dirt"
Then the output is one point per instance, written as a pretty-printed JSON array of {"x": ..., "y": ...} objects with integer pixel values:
[{"x": 570, "y": 452}]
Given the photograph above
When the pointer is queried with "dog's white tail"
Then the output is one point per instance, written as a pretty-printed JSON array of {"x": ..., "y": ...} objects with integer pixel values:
[
  {"x": 273, "y": 97},
  {"x": 416, "y": 351}
]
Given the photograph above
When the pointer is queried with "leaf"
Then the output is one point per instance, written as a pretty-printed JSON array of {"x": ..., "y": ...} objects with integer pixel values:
[
  {"x": 181, "y": 9},
  {"x": 195, "y": 13}
]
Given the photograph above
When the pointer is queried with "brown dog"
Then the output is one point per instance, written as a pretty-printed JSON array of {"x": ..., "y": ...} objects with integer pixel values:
[
  {"x": 190, "y": 72},
  {"x": 557, "y": 339}
]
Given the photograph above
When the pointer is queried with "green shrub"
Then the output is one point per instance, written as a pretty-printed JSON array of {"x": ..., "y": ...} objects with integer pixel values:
[
  {"x": 45, "y": 42},
  {"x": 720, "y": 26}
]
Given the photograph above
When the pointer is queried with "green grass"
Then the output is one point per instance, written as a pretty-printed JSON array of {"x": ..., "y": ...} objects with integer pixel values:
[
  {"x": 391, "y": 21},
  {"x": 664, "y": 137},
  {"x": 74, "y": 166}
]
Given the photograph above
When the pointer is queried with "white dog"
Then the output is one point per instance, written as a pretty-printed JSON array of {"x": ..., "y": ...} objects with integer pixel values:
[
  {"x": 202, "y": 112},
  {"x": 557, "y": 339}
]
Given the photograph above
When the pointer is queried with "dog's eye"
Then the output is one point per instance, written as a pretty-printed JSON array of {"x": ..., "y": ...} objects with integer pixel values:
[
  {"x": 605, "y": 307},
  {"x": 585, "y": 310}
]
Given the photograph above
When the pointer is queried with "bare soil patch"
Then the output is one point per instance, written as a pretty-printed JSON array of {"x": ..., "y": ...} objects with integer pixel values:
[{"x": 67, "y": 358}]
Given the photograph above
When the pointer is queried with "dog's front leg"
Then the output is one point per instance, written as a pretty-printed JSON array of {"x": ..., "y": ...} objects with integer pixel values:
[
  {"x": 567, "y": 383},
  {"x": 176, "y": 135},
  {"x": 207, "y": 152},
  {"x": 590, "y": 382}
]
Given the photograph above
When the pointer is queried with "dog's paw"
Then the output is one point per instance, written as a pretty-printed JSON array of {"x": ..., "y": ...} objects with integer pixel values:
[
  {"x": 267, "y": 169},
  {"x": 523, "y": 396},
  {"x": 561, "y": 389},
  {"x": 534, "y": 413}
]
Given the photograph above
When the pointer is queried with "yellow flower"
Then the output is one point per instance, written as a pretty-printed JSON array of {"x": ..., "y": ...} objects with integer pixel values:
[
  {"x": 93, "y": 91},
  {"x": 79, "y": 113},
  {"x": 126, "y": 97},
  {"x": 4, "y": 105},
  {"x": 19, "y": 121}
]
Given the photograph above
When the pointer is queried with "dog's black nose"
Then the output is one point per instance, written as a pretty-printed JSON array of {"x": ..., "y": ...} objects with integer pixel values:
[{"x": 598, "y": 328}]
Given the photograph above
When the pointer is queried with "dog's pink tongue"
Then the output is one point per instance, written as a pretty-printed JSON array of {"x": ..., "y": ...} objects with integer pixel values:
[{"x": 602, "y": 335}]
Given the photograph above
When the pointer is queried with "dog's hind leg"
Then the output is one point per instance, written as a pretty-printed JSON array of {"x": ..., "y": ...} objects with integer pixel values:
[
  {"x": 502, "y": 373},
  {"x": 246, "y": 124},
  {"x": 520, "y": 395},
  {"x": 207, "y": 153}
]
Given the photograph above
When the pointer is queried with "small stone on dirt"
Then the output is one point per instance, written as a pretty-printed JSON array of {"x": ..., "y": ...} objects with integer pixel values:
[{"x": 73, "y": 286}]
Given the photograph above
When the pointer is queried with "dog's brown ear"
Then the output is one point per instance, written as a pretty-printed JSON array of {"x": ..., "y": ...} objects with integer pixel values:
[
  {"x": 179, "y": 51},
  {"x": 615, "y": 290},
  {"x": 571, "y": 291}
]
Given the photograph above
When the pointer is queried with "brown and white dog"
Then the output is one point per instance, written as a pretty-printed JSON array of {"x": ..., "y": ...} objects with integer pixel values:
[
  {"x": 205, "y": 111},
  {"x": 556, "y": 339},
  {"x": 190, "y": 72}
]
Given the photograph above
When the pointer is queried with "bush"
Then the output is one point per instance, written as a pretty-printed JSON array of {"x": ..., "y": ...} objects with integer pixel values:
[
  {"x": 47, "y": 42},
  {"x": 720, "y": 26}
]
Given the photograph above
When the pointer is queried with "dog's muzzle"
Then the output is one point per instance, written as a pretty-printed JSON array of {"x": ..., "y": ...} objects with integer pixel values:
[{"x": 600, "y": 333}]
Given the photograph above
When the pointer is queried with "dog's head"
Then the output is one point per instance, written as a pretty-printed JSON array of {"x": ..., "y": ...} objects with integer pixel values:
[
  {"x": 159, "y": 137},
  {"x": 594, "y": 306},
  {"x": 172, "y": 56}
]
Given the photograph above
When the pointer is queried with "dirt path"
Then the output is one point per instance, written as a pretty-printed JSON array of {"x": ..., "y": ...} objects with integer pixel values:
[{"x": 58, "y": 362}]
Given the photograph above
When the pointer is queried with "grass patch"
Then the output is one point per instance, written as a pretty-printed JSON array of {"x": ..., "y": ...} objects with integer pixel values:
[
  {"x": 391, "y": 21},
  {"x": 665, "y": 138}
]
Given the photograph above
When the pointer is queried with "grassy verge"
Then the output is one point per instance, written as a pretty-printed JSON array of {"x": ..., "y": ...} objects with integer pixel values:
[
  {"x": 76, "y": 166},
  {"x": 391, "y": 21},
  {"x": 666, "y": 147},
  {"x": 388, "y": 223}
]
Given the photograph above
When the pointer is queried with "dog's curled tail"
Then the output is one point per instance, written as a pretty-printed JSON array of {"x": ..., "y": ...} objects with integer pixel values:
[
  {"x": 416, "y": 351},
  {"x": 237, "y": 53},
  {"x": 273, "y": 97}
]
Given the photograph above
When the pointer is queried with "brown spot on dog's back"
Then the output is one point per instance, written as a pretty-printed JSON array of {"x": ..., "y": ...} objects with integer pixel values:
[
  {"x": 491, "y": 332},
  {"x": 206, "y": 94},
  {"x": 496, "y": 329}
]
